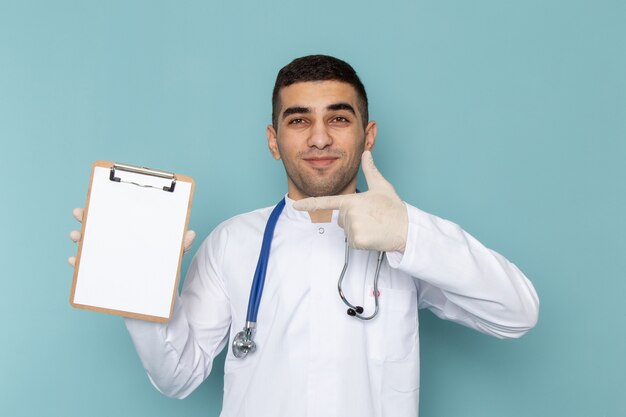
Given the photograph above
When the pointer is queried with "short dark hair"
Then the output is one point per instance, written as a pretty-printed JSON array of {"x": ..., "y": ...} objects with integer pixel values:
[{"x": 318, "y": 68}]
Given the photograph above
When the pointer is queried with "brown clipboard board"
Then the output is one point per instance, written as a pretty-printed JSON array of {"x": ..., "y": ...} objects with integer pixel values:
[{"x": 132, "y": 241}]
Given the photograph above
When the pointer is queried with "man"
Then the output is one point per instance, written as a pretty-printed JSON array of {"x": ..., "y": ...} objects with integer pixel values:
[{"x": 312, "y": 358}]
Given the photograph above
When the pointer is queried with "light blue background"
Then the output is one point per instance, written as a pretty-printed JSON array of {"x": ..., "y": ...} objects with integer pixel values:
[{"x": 506, "y": 117}]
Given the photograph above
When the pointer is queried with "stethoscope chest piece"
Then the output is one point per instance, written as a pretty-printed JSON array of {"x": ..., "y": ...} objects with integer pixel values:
[{"x": 243, "y": 343}]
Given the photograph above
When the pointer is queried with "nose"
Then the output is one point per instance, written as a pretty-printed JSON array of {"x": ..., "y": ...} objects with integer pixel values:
[{"x": 320, "y": 136}]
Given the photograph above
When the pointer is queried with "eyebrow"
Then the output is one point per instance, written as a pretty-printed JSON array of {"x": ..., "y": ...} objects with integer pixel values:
[
  {"x": 341, "y": 106},
  {"x": 305, "y": 110},
  {"x": 295, "y": 110}
]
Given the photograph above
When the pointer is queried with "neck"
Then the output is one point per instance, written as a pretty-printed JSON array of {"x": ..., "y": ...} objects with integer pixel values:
[{"x": 321, "y": 216}]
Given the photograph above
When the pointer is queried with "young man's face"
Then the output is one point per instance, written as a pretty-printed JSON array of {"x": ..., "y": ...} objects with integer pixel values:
[{"x": 320, "y": 137}]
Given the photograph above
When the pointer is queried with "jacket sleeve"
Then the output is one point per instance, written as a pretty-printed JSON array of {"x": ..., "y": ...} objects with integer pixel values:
[
  {"x": 179, "y": 355},
  {"x": 461, "y": 280}
]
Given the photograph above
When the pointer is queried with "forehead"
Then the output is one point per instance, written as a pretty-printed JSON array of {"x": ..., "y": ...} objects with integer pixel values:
[{"x": 317, "y": 94}]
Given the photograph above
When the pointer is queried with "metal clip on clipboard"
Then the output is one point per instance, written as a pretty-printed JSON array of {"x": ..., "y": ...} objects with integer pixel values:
[{"x": 143, "y": 171}]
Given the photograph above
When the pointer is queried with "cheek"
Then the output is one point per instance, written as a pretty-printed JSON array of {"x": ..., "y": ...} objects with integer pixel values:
[
  {"x": 286, "y": 153},
  {"x": 287, "y": 146},
  {"x": 358, "y": 146}
]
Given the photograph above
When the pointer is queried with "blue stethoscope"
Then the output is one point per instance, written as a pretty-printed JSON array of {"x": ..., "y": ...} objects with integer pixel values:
[{"x": 243, "y": 343}]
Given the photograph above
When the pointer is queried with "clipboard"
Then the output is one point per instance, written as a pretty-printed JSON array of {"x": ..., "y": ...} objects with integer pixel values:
[{"x": 131, "y": 249}]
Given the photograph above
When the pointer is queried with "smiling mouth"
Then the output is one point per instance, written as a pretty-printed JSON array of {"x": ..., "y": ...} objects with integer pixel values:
[{"x": 321, "y": 162}]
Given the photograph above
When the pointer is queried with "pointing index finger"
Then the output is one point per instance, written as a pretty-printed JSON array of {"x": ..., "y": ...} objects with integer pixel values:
[{"x": 321, "y": 203}]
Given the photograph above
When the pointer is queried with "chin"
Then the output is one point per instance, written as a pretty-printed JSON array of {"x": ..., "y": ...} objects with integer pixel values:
[
  {"x": 324, "y": 190},
  {"x": 322, "y": 184}
]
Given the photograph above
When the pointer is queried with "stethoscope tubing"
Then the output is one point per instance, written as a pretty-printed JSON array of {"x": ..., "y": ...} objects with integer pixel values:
[
  {"x": 258, "y": 282},
  {"x": 354, "y": 310},
  {"x": 243, "y": 342}
]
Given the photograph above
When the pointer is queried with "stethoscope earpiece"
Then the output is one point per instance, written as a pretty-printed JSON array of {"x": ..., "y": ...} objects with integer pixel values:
[{"x": 354, "y": 311}]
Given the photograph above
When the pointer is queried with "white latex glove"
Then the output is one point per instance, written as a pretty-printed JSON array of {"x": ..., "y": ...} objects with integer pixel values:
[
  {"x": 75, "y": 235},
  {"x": 374, "y": 220}
]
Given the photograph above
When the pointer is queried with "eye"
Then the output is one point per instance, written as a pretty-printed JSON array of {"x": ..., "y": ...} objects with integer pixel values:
[
  {"x": 340, "y": 119},
  {"x": 296, "y": 121}
]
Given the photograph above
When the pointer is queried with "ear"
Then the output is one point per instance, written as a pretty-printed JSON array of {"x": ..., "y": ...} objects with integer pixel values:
[
  {"x": 272, "y": 142},
  {"x": 370, "y": 135}
]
